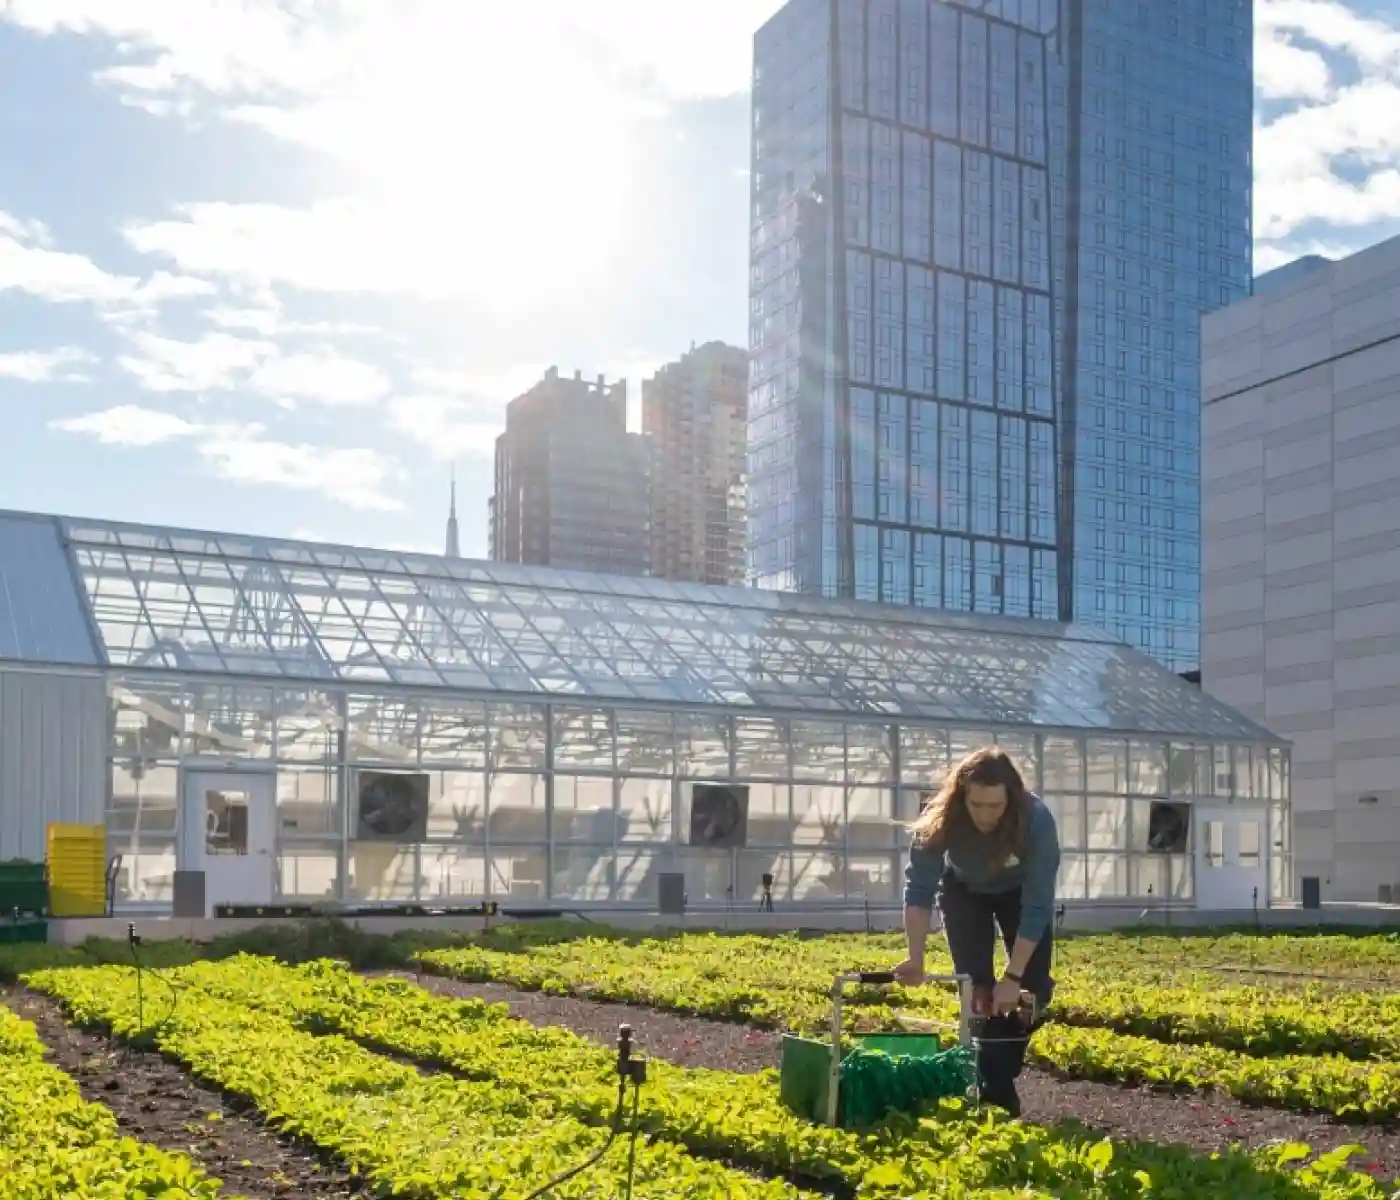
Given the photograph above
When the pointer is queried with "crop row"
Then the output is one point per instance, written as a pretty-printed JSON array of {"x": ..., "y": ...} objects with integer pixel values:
[
  {"x": 54, "y": 1145},
  {"x": 741, "y": 1118},
  {"x": 406, "y": 1133},
  {"x": 1328, "y": 1083},
  {"x": 784, "y": 981}
]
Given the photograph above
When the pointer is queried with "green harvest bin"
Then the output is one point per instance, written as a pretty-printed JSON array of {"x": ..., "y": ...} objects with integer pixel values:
[
  {"x": 24, "y": 886},
  {"x": 23, "y": 931},
  {"x": 805, "y": 1072}
]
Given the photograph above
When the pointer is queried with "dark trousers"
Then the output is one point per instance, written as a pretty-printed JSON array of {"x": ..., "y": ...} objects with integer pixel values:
[{"x": 970, "y": 922}]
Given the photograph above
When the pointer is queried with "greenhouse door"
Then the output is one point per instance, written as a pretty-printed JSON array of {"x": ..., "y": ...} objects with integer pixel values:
[
  {"x": 228, "y": 834},
  {"x": 1230, "y": 862}
]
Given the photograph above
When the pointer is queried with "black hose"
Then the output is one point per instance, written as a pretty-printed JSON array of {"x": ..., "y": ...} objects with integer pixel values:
[{"x": 602, "y": 1150}]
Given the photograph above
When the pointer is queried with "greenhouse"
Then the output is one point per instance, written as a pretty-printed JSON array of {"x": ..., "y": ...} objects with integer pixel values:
[{"x": 298, "y": 722}]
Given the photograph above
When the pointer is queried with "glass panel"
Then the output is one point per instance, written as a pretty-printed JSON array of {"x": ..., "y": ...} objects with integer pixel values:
[
  {"x": 308, "y": 871},
  {"x": 868, "y": 757},
  {"x": 229, "y": 722},
  {"x": 383, "y": 871},
  {"x": 517, "y": 808},
  {"x": 584, "y": 809},
  {"x": 147, "y": 872},
  {"x": 457, "y": 806},
  {"x": 770, "y": 814},
  {"x": 1147, "y": 765},
  {"x": 308, "y": 803},
  {"x": 760, "y": 749},
  {"x": 646, "y": 742},
  {"x": 1223, "y": 772},
  {"x": 1072, "y": 883},
  {"x": 453, "y": 733},
  {"x": 1069, "y": 819},
  {"x": 1108, "y": 876},
  {"x": 645, "y": 810},
  {"x": 1214, "y": 835},
  {"x": 818, "y": 815},
  {"x": 1064, "y": 764},
  {"x": 818, "y": 751},
  {"x": 1107, "y": 823},
  {"x": 1246, "y": 776},
  {"x": 323, "y": 614},
  {"x": 583, "y": 873},
  {"x": 1251, "y": 845},
  {"x": 225, "y": 823},
  {"x": 878, "y": 878},
  {"x": 148, "y": 719},
  {"x": 923, "y": 755},
  {"x": 750, "y": 866},
  {"x": 636, "y": 873},
  {"x": 1020, "y": 748},
  {"x": 144, "y": 801},
  {"x": 1106, "y": 762},
  {"x": 308, "y": 726},
  {"x": 869, "y": 825},
  {"x": 962, "y": 742},
  {"x": 1160, "y": 876},
  {"x": 517, "y": 736},
  {"x": 816, "y": 875},
  {"x": 518, "y": 872},
  {"x": 583, "y": 738},
  {"x": 1189, "y": 771},
  {"x": 452, "y": 874},
  {"x": 382, "y": 730},
  {"x": 702, "y": 745}
]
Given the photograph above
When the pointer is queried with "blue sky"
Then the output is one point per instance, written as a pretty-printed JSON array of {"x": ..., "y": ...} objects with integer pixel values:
[{"x": 279, "y": 268}]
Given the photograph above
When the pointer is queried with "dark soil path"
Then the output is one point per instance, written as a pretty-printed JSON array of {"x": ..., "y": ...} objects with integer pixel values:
[
  {"x": 1203, "y": 1121},
  {"x": 155, "y": 1101}
]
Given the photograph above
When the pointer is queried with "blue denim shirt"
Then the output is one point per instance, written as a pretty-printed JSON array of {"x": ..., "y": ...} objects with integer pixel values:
[{"x": 1035, "y": 871}]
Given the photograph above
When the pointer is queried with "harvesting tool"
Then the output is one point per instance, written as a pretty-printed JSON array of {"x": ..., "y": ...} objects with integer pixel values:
[{"x": 897, "y": 1071}]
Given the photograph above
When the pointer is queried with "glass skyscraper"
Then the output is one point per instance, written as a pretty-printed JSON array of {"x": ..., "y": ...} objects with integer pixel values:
[{"x": 982, "y": 236}]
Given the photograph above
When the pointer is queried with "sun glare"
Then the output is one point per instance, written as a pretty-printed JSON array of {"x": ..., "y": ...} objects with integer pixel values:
[{"x": 490, "y": 157}]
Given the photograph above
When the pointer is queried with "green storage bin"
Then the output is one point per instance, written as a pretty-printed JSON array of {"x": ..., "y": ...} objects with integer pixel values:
[
  {"x": 23, "y": 931},
  {"x": 24, "y": 886}
]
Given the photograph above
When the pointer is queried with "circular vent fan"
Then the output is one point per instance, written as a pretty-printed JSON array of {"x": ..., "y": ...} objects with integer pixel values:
[{"x": 389, "y": 804}]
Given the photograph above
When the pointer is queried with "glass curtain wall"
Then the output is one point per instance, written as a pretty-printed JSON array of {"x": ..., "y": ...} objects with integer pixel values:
[{"x": 587, "y": 804}]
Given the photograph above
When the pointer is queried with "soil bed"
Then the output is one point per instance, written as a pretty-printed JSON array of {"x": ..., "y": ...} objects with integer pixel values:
[
  {"x": 155, "y": 1101},
  {"x": 1203, "y": 1121}
]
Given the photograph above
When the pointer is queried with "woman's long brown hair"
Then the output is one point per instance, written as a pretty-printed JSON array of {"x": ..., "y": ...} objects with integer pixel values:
[{"x": 946, "y": 812}]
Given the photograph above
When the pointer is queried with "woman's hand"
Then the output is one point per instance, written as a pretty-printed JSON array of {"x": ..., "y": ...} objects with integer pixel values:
[
  {"x": 1006, "y": 998},
  {"x": 910, "y": 972}
]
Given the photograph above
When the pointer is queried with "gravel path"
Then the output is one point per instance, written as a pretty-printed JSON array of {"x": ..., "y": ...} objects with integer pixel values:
[{"x": 1203, "y": 1121}]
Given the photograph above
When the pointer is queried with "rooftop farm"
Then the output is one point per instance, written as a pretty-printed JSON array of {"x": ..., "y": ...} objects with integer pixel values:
[{"x": 324, "y": 1063}]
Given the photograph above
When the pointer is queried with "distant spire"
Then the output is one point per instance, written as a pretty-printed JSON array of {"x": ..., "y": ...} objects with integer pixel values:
[{"x": 454, "y": 549}]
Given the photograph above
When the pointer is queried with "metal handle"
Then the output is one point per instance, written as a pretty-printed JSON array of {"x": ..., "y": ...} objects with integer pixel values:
[{"x": 875, "y": 977}]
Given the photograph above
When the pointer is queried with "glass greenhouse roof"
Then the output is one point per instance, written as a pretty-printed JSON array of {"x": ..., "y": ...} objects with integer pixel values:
[{"x": 232, "y": 605}]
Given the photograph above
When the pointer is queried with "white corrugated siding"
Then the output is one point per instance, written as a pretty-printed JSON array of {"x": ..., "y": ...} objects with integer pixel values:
[{"x": 53, "y": 756}]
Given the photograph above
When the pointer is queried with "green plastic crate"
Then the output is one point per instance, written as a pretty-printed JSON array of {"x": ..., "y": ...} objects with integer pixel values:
[
  {"x": 24, "y": 886},
  {"x": 23, "y": 931},
  {"x": 805, "y": 1072}
]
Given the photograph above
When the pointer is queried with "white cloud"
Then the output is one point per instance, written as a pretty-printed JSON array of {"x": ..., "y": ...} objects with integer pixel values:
[
  {"x": 1335, "y": 158},
  {"x": 29, "y": 264},
  {"x": 324, "y": 376},
  {"x": 127, "y": 425},
  {"x": 215, "y": 362},
  {"x": 46, "y": 366},
  {"x": 357, "y": 478},
  {"x": 450, "y": 430},
  {"x": 1285, "y": 71}
]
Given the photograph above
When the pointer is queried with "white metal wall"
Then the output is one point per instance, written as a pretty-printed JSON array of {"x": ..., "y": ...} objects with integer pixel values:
[{"x": 53, "y": 755}]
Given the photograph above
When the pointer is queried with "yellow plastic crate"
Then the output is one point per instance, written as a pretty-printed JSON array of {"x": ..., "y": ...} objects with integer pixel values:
[{"x": 77, "y": 862}]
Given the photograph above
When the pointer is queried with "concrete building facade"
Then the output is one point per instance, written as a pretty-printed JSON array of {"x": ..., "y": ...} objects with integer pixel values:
[
  {"x": 694, "y": 414},
  {"x": 1301, "y": 550},
  {"x": 571, "y": 481}
]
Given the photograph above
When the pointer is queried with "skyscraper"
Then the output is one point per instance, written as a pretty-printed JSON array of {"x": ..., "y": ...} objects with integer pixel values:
[
  {"x": 694, "y": 415},
  {"x": 571, "y": 481},
  {"x": 968, "y": 297}
]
